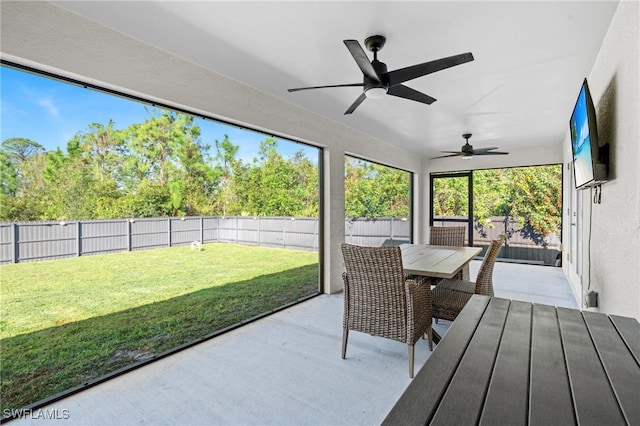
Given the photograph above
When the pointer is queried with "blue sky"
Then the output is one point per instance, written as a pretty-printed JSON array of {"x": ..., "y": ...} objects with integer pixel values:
[{"x": 50, "y": 112}]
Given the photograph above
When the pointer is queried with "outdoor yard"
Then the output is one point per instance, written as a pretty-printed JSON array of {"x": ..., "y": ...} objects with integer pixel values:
[{"x": 67, "y": 322}]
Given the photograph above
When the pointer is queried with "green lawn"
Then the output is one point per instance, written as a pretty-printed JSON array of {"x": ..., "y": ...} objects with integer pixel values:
[{"x": 69, "y": 321}]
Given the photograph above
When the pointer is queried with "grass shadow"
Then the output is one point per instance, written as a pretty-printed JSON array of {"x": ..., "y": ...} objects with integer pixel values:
[{"x": 44, "y": 363}]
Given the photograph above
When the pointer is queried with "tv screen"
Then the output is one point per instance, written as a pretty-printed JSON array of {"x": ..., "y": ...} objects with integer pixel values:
[{"x": 584, "y": 139}]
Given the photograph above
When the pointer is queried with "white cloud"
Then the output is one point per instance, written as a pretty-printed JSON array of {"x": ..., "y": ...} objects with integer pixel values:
[{"x": 49, "y": 106}]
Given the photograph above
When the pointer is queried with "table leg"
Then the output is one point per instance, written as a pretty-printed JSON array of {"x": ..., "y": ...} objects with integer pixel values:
[{"x": 436, "y": 337}]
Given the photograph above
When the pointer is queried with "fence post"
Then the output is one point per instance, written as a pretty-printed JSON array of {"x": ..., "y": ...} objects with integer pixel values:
[
  {"x": 168, "y": 232},
  {"x": 391, "y": 232},
  {"x": 315, "y": 233},
  {"x": 78, "y": 239},
  {"x": 129, "y": 224},
  {"x": 259, "y": 230},
  {"x": 284, "y": 232},
  {"x": 201, "y": 230},
  {"x": 15, "y": 252}
]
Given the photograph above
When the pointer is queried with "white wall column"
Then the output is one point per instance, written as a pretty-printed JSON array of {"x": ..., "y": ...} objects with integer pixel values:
[{"x": 333, "y": 181}]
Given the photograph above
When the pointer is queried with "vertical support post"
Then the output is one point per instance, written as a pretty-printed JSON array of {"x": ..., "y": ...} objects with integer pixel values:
[
  {"x": 391, "y": 233},
  {"x": 315, "y": 233},
  {"x": 258, "y": 239},
  {"x": 284, "y": 232},
  {"x": 201, "y": 230},
  {"x": 15, "y": 252},
  {"x": 168, "y": 232},
  {"x": 78, "y": 239},
  {"x": 470, "y": 214},
  {"x": 129, "y": 224}
]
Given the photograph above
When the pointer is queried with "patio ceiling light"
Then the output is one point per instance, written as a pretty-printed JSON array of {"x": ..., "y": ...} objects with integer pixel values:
[{"x": 375, "y": 92}]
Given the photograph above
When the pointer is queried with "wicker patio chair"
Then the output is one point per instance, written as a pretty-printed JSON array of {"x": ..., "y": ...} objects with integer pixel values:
[
  {"x": 450, "y": 236},
  {"x": 447, "y": 235},
  {"x": 450, "y": 296},
  {"x": 378, "y": 300}
]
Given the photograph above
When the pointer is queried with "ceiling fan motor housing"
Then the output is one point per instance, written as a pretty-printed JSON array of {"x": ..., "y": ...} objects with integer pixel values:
[
  {"x": 376, "y": 89},
  {"x": 467, "y": 149}
]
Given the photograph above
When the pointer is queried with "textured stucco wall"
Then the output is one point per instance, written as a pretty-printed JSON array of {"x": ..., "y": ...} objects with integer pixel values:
[{"x": 614, "y": 82}]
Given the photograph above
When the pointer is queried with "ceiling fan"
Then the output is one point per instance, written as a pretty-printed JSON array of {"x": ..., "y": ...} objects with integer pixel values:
[
  {"x": 378, "y": 81},
  {"x": 467, "y": 151}
]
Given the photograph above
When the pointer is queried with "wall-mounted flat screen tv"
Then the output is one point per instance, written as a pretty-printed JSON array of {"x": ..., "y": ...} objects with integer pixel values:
[{"x": 588, "y": 166}]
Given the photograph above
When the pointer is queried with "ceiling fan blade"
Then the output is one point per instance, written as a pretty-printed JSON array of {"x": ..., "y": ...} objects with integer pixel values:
[
  {"x": 489, "y": 153},
  {"x": 362, "y": 59},
  {"x": 403, "y": 91},
  {"x": 481, "y": 150},
  {"x": 356, "y": 103},
  {"x": 409, "y": 73},
  {"x": 324, "y": 87},
  {"x": 457, "y": 154}
]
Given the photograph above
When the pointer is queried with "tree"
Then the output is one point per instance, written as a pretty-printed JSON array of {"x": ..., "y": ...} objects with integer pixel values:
[
  {"x": 270, "y": 184},
  {"x": 14, "y": 152},
  {"x": 227, "y": 171},
  {"x": 101, "y": 146},
  {"x": 166, "y": 149},
  {"x": 19, "y": 149},
  {"x": 373, "y": 190},
  {"x": 70, "y": 187},
  {"x": 531, "y": 195},
  {"x": 27, "y": 201},
  {"x": 156, "y": 168},
  {"x": 307, "y": 187}
]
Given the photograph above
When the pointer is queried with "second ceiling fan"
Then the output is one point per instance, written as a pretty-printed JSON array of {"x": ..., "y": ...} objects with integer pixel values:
[
  {"x": 467, "y": 151},
  {"x": 377, "y": 81}
]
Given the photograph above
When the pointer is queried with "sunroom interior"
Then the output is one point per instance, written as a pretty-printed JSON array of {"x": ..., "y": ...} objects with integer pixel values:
[{"x": 234, "y": 61}]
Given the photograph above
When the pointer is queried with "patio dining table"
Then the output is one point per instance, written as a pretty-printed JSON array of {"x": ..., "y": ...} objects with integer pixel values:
[
  {"x": 518, "y": 363},
  {"x": 436, "y": 261}
]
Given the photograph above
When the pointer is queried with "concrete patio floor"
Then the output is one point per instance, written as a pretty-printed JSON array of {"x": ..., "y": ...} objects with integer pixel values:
[{"x": 281, "y": 370}]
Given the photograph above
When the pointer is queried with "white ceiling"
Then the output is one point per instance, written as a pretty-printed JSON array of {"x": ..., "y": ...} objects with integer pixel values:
[{"x": 530, "y": 59}]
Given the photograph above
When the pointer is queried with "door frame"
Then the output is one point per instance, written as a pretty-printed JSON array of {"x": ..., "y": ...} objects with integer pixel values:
[{"x": 469, "y": 219}]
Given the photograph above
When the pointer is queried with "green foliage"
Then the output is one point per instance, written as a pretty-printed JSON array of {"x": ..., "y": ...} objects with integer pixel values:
[
  {"x": 14, "y": 152},
  {"x": 161, "y": 167},
  {"x": 450, "y": 197},
  {"x": 373, "y": 190},
  {"x": 532, "y": 195},
  {"x": 156, "y": 168}
]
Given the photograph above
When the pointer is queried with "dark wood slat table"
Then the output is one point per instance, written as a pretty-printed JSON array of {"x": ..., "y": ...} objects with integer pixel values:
[{"x": 517, "y": 363}]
